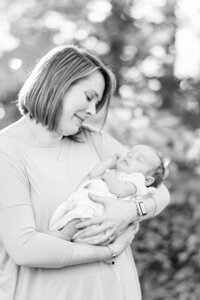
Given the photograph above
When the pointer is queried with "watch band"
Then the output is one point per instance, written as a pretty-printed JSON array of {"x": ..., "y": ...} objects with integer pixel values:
[{"x": 141, "y": 209}]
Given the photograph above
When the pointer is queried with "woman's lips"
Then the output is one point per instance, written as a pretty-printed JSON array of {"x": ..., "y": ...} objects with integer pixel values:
[{"x": 79, "y": 119}]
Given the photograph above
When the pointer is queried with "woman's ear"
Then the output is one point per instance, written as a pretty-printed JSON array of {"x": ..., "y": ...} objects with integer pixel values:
[{"x": 149, "y": 180}]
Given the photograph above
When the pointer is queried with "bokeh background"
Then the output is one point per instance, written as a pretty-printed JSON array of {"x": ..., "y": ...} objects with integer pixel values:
[{"x": 153, "y": 47}]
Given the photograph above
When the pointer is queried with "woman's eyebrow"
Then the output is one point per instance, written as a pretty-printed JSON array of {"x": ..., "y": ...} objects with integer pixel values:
[{"x": 95, "y": 93}]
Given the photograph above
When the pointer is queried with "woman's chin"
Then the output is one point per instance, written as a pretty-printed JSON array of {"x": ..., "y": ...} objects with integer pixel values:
[{"x": 71, "y": 131}]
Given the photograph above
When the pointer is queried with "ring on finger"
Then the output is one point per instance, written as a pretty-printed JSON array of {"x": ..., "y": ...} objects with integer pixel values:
[
  {"x": 110, "y": 239},
  {"x": 108, "y": 236}
]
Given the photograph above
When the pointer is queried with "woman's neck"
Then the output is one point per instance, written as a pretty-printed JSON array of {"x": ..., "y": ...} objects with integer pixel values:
[{"x": 40, "y": 134}]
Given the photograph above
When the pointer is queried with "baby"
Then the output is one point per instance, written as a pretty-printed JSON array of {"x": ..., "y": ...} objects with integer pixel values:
[{"x": 117, "y": 177}]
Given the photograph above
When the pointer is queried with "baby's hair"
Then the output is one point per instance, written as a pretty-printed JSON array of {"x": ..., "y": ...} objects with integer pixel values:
[{"x": 160, "y": 172}]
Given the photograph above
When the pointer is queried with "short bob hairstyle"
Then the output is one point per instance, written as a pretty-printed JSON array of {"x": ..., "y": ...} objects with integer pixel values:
[{"x": 42, "y": 94}]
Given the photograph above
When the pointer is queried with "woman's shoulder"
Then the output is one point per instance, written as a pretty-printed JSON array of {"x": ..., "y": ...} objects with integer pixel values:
[
  {"x": 11, "y": 131},
  {"x": 6, "y": 142},
  {"x": 9, "y": 138}
]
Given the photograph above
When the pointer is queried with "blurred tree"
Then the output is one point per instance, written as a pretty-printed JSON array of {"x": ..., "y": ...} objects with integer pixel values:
[{"x": 152, "y": 105}]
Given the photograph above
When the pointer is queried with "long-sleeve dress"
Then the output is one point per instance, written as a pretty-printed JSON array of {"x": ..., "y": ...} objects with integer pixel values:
[{"x": 33, "y": 182}]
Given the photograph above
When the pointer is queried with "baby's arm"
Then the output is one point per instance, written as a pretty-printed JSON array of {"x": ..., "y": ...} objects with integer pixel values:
[
  {"x": 67, "y": 232},
  {"x": 118, "y": 187},
  {"x": 103, "y": 166}
]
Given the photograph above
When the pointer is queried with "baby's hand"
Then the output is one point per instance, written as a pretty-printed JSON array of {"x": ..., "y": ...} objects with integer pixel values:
[
  {"x": 109, "y": 176},
  {"x": 111, "y": 161},
  {"x": 115, "y": 157},
  {"x": 67, "y": 232}
]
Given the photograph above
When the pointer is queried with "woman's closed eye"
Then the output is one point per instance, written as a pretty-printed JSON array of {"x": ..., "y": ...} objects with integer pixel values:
[{"x": 89, "y": 96}]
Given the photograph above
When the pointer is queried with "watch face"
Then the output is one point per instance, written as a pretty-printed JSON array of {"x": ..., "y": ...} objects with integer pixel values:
[{"x": 142, "y": 208}]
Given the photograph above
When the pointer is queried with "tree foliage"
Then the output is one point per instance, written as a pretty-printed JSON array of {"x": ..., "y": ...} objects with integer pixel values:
[{"x": 151, "y": 105}]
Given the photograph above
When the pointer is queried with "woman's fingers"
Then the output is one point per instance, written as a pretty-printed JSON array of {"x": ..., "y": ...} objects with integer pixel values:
[
  {"x": 108, "y": 237},
  {"x": 132, "y": 231},
  {"x": 102, "y": 239},
  {"x": 90, "y": 222},
  {"x": 95, "y": 231},
  {"x": 105, "y": 233}
]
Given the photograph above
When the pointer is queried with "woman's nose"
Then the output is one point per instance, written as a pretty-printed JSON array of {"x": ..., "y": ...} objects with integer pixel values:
[{"x": 91, "y": 110}]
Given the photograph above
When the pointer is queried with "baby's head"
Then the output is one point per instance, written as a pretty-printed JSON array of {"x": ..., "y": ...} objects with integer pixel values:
[{"x": 146, "y": 160}]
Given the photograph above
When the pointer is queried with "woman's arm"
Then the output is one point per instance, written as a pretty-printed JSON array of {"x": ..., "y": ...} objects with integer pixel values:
[
  {"x": 30, "y": 248},
  {"x": 118, "y": 215},
  {"x": 18, "y": 231},
  {"x": 156, "y": 202}
]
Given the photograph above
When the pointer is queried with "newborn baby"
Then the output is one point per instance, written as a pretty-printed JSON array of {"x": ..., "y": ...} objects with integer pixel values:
[{"x": 118, "y": 177}]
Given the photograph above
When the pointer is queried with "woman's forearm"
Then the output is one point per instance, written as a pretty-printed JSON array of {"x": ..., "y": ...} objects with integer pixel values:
[
  {"x": 44, "y": 251},
  {"x": 120, "y": 214},
  {"x": 154, "y": 204},
  {"x": 30, "y": 248},
  {"x": 83, "y": 253},
  {"x": 161, "y": 198}
]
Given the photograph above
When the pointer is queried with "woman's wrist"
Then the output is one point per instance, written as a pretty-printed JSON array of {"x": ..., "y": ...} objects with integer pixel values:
[
  {"x": 145, "y": 208},
  {"x": 132, "y": 213},
  {"x": 104, "y": 253},
  {"x": 150, "y": 206},
  {"x": 113, "y": 252},
  {"x": 112, "y": 255}
]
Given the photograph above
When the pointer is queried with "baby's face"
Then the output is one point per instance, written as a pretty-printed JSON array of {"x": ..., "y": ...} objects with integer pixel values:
[{"x": 140, "y": 158}]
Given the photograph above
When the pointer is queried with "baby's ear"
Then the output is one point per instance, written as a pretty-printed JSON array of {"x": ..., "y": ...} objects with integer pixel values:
[{"x": 149, "y": 180}]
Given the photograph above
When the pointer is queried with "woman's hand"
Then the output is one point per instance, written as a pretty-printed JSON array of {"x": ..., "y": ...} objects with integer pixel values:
[
  {"x": 116, "y": 218},
  {"x": 122, "y": 242}
]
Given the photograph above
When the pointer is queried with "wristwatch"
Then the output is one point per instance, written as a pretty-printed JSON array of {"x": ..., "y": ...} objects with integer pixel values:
[{"x": 141, "y": 209}]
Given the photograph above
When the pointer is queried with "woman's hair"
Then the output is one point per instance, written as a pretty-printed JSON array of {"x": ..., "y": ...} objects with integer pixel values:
[
  {"x": 42, "y": 94},
  {"x": 161, "y": 171}
]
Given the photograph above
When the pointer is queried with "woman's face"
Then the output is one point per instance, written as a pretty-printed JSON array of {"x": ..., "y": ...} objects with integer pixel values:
[{"x": 80, "y": 103}]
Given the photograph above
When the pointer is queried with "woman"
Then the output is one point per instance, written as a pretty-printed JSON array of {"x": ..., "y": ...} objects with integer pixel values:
[{"x": 39, "y": 169}]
